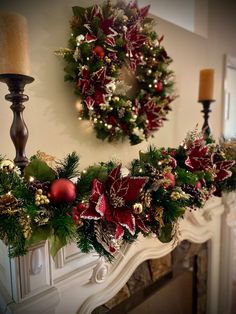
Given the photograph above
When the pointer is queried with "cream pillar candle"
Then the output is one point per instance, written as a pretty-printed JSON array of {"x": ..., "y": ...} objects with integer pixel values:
[
  {"x": 206, "y": 84},
  {"x": 14, "y": 52}
]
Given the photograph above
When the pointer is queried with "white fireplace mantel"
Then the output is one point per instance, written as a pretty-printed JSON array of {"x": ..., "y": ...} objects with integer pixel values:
[{"x": 78, "y": 283}]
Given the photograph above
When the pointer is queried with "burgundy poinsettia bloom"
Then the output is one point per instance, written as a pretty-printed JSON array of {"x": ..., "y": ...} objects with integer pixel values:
[
  {"x": 134, "y": 40},
  {"x": 89, "y": 38},
  {"x": 106, "y": 25},
  {"x": 113, "y": 202},
  {"x": 99, "y": 81},
  {"x": 222, "y": 169},
  {"x": 93, "y": 86},
  {"x": 198, "y": 157},
  {"x": 96, "y": 12},
  {"x": 133, "y": 37},
  {"x": 153, "y": 117},
  {"x": 83, "y": 82},
  {"x": 96, "y": 82}
]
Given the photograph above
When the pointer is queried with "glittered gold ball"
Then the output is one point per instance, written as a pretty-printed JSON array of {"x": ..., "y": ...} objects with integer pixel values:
[
  {"x": 137, "y": 208},
  {"x": 7, "y": 165}
]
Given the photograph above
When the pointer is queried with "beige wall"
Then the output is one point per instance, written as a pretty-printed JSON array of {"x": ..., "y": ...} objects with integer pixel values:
[{"x": 50, "y": 114}]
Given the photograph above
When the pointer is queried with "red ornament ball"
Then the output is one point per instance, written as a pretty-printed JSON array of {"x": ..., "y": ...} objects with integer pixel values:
[
  {"x": 99, "y": 52},
  {"x": 170, "y": 180},
  {"x": 62, "y": 190},
  {"x": 158, "y": 86}
]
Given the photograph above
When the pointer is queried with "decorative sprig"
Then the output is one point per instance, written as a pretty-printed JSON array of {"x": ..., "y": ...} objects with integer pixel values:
[{"x": 68, "y": 168}]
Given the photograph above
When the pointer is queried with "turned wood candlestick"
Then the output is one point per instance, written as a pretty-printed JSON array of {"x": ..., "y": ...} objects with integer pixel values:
[
  {"x": 206, "y": 130},
  {"x": 18, "y": 132}
]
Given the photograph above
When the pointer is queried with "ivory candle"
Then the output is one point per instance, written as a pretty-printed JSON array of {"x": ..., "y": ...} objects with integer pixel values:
[
  {"x": 206, "y": 84},
  {"x": 14, "y": 52}
]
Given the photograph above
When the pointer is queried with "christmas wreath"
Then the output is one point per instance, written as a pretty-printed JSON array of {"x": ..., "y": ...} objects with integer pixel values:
[
  {"x": 105, "y": 206},
  {"x": 106, "y": 41}
]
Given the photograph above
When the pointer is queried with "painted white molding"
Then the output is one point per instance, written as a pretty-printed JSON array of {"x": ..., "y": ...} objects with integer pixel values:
[
  {"x": 36, "y": 264},
  {"x": 227, "y": 252},
  {"x": 78, "y": 283}
]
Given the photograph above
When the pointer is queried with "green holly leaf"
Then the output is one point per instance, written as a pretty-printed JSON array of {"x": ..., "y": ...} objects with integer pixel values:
[
  {"x": 166, "y": 233},
  {"x": 56, "y": 243},
  {"x": 39, "y": 234},
  {"x": 39, "y": 170}
]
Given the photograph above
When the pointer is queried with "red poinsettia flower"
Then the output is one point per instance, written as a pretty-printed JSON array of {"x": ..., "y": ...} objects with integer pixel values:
[
  {"x": 83, "y": 83},
  {"x": 89, "y": 38},
  {"x": 94, "y": 87},
  {"x": 106, "y": 25},
  {"x": 98, "y": 97},
  {"x": 222, "y": 169},
  {"x": 198, "y": 157},
  {"x": 96, "y": 12},
  {"x": 133, "y": 37},
  {"x": 153, "y": 117},
  {"x": 99, "y": 81},
  {"x": 134, "y": 40},
  {"x": 89, "y": 101},
  {"x": 113, "y": 202},
  {"x": 96, "y": 82}
]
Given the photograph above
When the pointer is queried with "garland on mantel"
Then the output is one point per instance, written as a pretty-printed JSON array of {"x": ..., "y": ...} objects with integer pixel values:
[
  {"x": 229, "y": 148},
  {"x": 108, "y": 205},
  {"x": 105, "y": 41}
]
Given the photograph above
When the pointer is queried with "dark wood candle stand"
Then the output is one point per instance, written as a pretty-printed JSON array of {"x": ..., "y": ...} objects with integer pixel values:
[
  {"x": 18, "y": 132},
  {"x": 206, "y": 110}
]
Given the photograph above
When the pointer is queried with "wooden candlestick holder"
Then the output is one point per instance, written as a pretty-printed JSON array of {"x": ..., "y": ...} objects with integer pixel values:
[
  {"x": 18, "y": 131},
  {"x": 206, "y": 130}
]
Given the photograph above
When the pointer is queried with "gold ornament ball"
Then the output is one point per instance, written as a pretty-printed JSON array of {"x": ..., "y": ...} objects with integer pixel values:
[
  {"x": 137, "y": 208},
  {"x": 39, "y": 191},
  {"x": 7, "y": 165}
]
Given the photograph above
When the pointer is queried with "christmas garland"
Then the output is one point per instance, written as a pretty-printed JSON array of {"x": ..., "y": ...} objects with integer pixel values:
[
  {"x": 229, "y": 148},
  {"x": 104, "y": 41},
  {"x": 107, "y": 205}
]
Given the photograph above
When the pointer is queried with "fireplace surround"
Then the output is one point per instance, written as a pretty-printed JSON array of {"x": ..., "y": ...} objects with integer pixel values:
[
  {"x": 175, "y": 283},
  {"x": 80, "y": 283}
]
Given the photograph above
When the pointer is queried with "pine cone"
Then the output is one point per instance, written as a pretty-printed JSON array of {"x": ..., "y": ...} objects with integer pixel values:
[
  {"x": 105, "y": 235},
  {"x": 8, "y": 204},
  {"x": 42, "y": 217}
]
